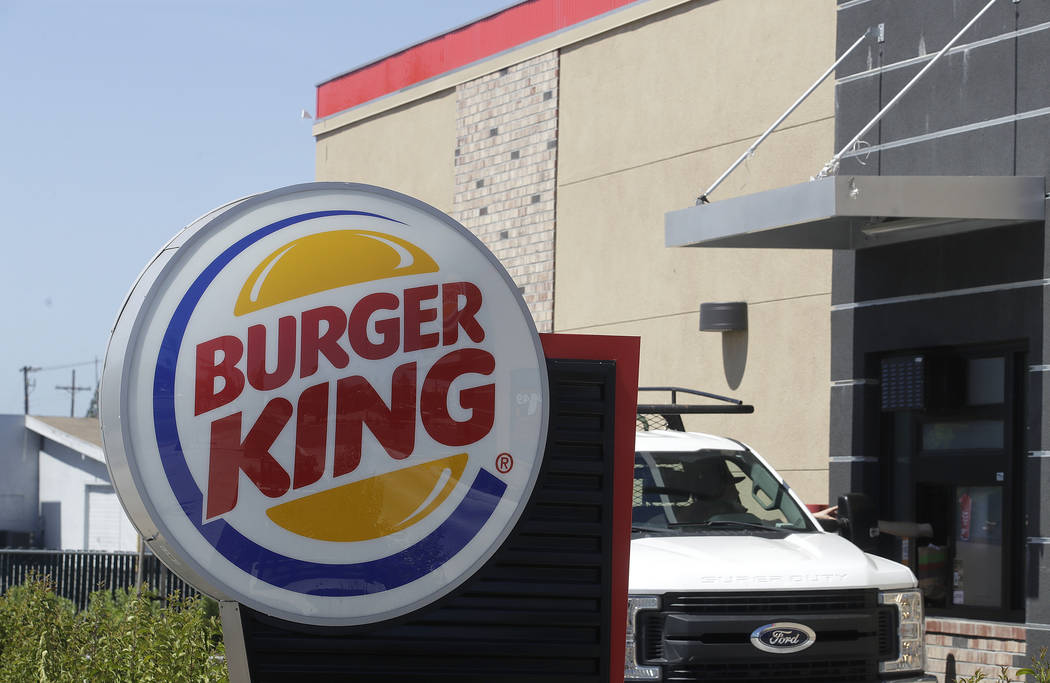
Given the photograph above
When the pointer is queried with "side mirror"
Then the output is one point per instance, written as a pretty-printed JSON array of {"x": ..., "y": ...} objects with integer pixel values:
[{"x": 858, "y": 520}]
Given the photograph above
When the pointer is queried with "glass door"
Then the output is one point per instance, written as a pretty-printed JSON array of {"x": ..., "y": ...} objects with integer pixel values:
[
  {"x": 977, "y": 566},
  {"x": 954, "y": 463}
]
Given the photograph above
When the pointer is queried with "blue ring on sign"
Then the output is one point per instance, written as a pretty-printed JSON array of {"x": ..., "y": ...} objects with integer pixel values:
[{"x": 301, "y": 576}]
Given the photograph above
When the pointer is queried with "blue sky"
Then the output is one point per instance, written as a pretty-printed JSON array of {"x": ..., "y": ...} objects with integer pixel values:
[{"x": 121, "y": 122}]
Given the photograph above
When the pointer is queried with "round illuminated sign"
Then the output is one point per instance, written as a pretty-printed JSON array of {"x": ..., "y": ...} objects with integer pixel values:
[{"x": 327, "y": 402}]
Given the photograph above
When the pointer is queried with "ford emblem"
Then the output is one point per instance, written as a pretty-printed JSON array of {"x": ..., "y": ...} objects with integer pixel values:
[{"x": 783, "y": 637}]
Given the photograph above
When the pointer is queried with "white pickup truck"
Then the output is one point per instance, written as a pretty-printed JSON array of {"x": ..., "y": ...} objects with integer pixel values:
[{"x": 733, "y": 580}]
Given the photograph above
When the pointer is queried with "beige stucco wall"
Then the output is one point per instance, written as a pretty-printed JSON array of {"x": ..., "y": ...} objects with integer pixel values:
[
  {"x": 651, "y": 114},
  {"x": 410, "y": 149}
]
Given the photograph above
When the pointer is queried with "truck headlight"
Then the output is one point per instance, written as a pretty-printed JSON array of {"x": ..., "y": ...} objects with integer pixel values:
[
  {"x": 632, "y": 670},
  {"x": 910, "y": 631}
]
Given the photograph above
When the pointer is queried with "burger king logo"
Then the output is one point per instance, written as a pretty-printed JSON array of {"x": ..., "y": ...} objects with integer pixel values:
[{"x": 326, "y": 402}]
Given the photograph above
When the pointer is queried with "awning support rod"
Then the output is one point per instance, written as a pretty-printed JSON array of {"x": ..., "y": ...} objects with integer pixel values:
[
  {"x": 833, "y": 164},
  {"x": 702, "y": 199}
]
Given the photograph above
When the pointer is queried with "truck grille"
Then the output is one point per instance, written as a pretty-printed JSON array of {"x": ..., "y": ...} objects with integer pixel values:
[
  {"x": 707, "y": 636},
  {"x": 788, "y": 601},
  {"x": 759, "y": 672}
]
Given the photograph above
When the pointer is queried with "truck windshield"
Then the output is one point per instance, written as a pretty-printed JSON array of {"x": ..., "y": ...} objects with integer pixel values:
[{"x": 686, "y": 491}]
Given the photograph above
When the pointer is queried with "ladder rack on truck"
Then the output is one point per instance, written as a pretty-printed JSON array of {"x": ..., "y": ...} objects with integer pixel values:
[{"x": 672, "y": 412}]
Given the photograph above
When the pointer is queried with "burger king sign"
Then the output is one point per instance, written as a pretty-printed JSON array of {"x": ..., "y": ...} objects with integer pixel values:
[{"x": 326, "y": 402}]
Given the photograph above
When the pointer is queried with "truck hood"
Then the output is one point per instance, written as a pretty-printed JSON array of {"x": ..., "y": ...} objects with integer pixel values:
[{"x": 755, "y": 562}]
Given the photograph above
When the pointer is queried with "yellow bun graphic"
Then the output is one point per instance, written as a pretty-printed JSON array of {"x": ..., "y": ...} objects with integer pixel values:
[
  {"x": 374, "y": 507},
  {"x": 326, "y": 260}
]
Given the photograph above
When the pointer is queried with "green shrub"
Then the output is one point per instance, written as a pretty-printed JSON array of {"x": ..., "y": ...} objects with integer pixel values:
[
  {"x": 1040, "y": 668},
  {"x": 128, "y": 637},
  {"x": 1040, "y": 671}
]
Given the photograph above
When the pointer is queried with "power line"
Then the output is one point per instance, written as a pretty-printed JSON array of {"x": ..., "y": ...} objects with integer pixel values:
[
  {"x": 69, "y": 365},
  {"x": 73, "y": 389},
  {"x": 25, "y": 370},
  {"x": 27, "y": 384}
]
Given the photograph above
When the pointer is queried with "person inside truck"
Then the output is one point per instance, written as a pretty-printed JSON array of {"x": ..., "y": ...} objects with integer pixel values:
[
  {"x": 713, "y": 490},
  {"x": 830, "y": 512},
  {"x": 686, "y": 491},
  {"x": 682, "y": 490}
]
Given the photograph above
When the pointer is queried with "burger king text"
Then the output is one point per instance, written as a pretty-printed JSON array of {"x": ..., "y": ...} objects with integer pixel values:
[{"x": 414, "y": 319}]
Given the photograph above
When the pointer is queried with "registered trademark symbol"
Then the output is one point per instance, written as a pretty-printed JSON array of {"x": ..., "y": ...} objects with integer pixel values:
[{"x": 504, "y": 463}]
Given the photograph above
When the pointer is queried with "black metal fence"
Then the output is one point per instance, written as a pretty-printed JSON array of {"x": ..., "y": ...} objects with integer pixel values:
[{"x": 78, "y": 573}]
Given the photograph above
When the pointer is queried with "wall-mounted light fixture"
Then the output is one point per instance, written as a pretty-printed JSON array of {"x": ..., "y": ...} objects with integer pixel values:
[{"x": 723, "y": 317}]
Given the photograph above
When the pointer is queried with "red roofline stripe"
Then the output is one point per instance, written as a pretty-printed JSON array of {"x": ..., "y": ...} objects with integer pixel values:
[{"x": 491, "y": 35}]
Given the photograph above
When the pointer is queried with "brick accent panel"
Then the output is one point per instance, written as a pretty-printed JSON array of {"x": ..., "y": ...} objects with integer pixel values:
[
  {"x": 964, "y": 646},
  {"x": 506, "y": 159}
]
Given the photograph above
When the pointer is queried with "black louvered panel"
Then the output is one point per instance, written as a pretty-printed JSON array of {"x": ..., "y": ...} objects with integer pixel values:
[
  {"x": 538, "y": 610},
  {"x": 888, "y": 633},
  {"x": 652, "y": 637}
]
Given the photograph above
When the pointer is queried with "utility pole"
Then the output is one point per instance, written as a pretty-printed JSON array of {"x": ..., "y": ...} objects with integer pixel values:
[
  {"x": 73, "y": 389},
  {"x": 25, "y": 370}
]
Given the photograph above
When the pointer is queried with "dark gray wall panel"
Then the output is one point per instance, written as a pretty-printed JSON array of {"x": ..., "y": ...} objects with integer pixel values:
[
  {"x": 840, "y": 480},
  {"x": 1037, "y": 638},
  {"x": 967, "y": 87},
  {"x": 844, "y": 477},
  {"x": 1032, "y": 13},
  {"x": 843, "y": 272},
  {"x": 952, "y": 321},
  {"x": 962, "y": 88},
  {"x": 1033, "y": 58},
  {"x": 986, "y": 151},
  {"x": 848, "y": 403},
  {"x": 914, "y": 28},
  {"x": 1033, "y": 93},
  {"x": 1037, "y": 513},
  {"x": 857, "y": 102},
  {"x": 855, "y": 419},
  {"x": 1036, "y": 472},
  {"x": 851, "y": 23},
  {"x": 1037, "y": 588},
  {"x": 843, "y": 360},
  {"x": 1037, "y": 393},
  {"x": 973, "y": 259},
  {"x": 1033, "y": 146}
]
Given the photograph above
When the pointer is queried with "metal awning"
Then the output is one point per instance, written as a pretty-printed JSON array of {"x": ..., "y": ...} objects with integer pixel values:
[{"x": 854, "y": 212}]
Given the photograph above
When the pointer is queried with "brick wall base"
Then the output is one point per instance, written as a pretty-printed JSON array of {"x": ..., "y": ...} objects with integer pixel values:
[{"x": 957, "y": 648}]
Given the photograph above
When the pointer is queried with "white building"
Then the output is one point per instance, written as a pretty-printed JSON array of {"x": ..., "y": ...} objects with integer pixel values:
[{"x": 56, "y": 492}]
